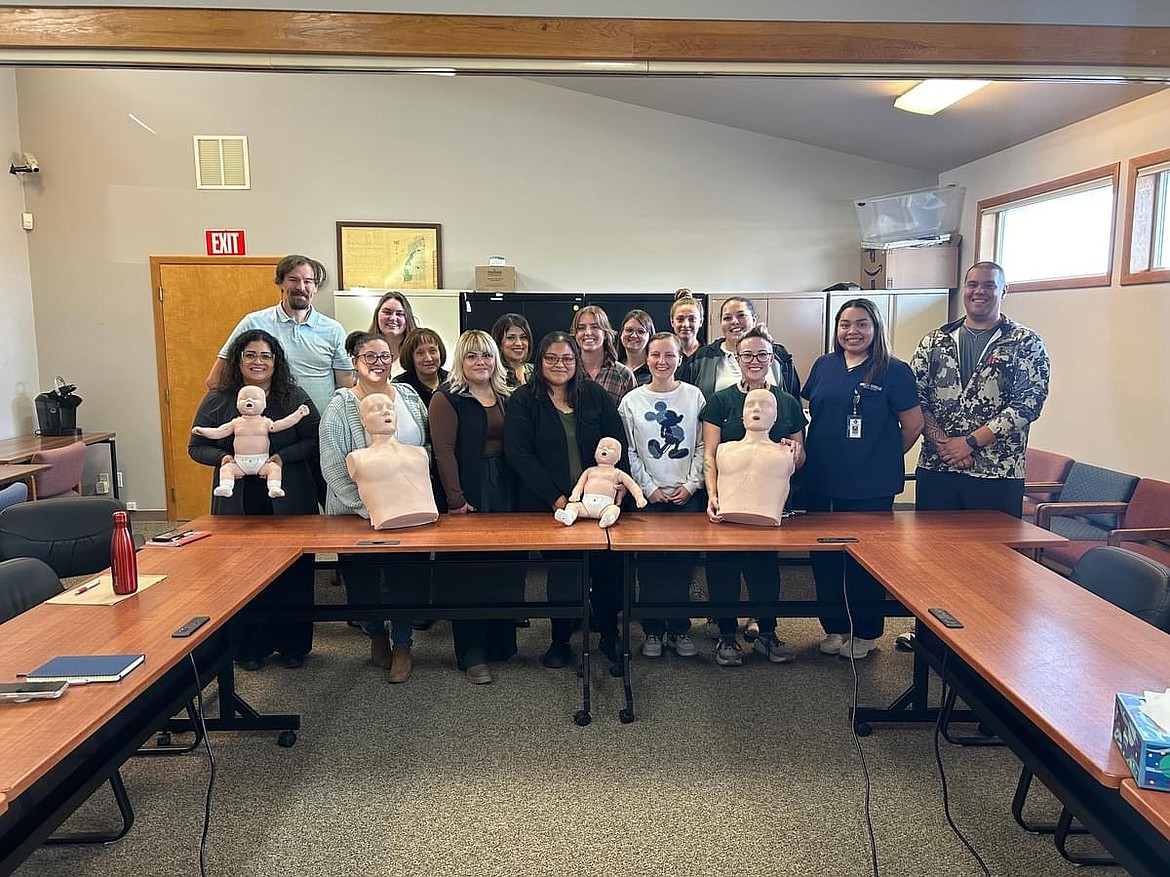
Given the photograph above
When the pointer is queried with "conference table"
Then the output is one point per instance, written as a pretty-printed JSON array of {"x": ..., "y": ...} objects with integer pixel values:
[
  {"x": 22, "y": 449},
  {"x": 56, "y": 752},
  {"x": 1040, "y": 660}
]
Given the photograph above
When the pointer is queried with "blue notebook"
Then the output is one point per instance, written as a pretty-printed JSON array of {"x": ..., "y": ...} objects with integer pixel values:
[{"x": 79, "y": 669}]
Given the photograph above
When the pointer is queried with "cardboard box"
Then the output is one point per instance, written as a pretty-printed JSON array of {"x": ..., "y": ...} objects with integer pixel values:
[
  {"x": 495, "y": 278},
  {"x": 910, "y": 268},
  {"x": 1143, "y": 744}
]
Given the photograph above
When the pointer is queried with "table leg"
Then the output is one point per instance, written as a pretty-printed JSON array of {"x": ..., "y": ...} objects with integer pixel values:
[
  {"x": 629, "y": 565},
  {"x": 583, "y": 716}
]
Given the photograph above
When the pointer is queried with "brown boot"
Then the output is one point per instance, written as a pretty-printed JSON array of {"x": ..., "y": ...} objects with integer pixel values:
[
  {"x": 381, "y": 652},
  {"x": 400, "y": 668}
]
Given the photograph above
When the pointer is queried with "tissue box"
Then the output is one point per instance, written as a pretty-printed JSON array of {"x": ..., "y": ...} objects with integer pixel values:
[{"x": 1144, "y": 745}]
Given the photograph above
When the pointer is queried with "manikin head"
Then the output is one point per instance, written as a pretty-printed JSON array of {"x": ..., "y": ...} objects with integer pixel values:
[
  {"x": 378, "y": 414},
  {"x": 759, "y": 411},
  {"x": 609, "y": 451},
  {"x": 251, "y": 401}
]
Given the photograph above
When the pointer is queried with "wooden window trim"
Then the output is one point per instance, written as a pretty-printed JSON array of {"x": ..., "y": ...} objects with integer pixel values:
[
  {"x": 1112, "y": 172},
  {"x": 1150, "y": 275}
]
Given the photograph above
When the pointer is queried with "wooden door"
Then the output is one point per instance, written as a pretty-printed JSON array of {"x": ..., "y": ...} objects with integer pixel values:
[{"x": 197, "y": 302}]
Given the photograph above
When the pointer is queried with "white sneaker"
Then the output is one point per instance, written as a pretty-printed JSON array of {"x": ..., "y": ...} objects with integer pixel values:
[
  {"x": 682, "y": 644},
  {"x": 728, "y": 653},
  {"x": 857, "y": 648},
  {"x": 831, "y": 645},
  {"x": 652, "y": 647}
]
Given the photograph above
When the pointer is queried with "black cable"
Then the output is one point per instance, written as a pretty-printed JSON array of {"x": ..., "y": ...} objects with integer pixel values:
[
  {"x": 873, "y": 857},
  {"x": 210, "y": 760},
  {"x": 942, "y": 772}
]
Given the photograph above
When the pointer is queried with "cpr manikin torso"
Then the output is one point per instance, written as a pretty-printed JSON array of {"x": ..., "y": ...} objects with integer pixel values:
[
  {"x": 393, "y": 479},
  {"x": 249, "y": 434},
  {"x": 596, "y": 490},
  {"x": 753, "y": 475}
]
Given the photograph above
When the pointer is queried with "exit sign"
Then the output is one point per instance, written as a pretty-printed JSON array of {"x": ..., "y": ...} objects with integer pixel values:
[{"x": 225, "y": 242}]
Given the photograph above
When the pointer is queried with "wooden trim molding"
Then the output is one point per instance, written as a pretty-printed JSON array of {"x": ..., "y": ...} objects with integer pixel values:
[
  {"x": 1148, "y": 274},
  {"x": 1111, "y": 172},
  {"x": 579, "y": 39}
]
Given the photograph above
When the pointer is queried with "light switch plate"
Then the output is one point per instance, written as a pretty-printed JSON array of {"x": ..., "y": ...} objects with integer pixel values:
[{"x": 26, "y": 221}]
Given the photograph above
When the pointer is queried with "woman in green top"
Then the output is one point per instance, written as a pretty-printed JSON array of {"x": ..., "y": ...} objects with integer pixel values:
[{"x": 722, "y": 418}]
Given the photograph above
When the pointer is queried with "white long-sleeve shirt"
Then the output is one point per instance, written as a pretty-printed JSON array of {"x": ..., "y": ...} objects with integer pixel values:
[{"x": 665, "y": 437}]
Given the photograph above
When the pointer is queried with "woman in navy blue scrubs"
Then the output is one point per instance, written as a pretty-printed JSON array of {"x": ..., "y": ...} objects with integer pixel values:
[{"x": 865, "y": 416}]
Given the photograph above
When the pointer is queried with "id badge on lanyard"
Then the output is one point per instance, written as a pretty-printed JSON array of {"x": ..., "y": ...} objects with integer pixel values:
[{"x": 853, "y": 421}]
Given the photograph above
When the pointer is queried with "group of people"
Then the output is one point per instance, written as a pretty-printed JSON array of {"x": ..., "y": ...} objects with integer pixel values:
[{"x": 516, "y": 421}]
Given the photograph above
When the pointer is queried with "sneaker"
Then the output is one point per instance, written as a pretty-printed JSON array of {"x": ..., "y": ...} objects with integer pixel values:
[
  {"x": 751, "y": 632},
  {"x": 774, "y": 649},
  {"x": 652, "y": 647},
  {"x": 711, "y": 629},
  {"x": 831, "y": 645},
  {"x": 728, "y": 653},
  {"x": 857, "y": 648},
  {"x": 682, "y": 644},
  {"x": 905, "y": 642}
]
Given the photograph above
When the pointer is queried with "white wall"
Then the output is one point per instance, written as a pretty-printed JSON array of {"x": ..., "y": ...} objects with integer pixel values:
[
  {"x": 1110, "y": 356},
  {"x": 18, "y": 350},
  {"x": 579, "y": 192}
]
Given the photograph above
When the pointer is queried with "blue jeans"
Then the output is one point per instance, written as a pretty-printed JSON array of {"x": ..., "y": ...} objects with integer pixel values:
[
  {"x": 373, "y": 580},
  {"x": 665, "y": 576}
]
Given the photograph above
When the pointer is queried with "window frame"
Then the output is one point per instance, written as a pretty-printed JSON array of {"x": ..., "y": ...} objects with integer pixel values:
[
  {"x": 991, "y": 207},
  {"x": 1149, "y": 274}
]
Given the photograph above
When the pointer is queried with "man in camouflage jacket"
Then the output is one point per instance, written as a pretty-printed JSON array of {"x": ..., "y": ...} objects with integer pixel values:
[{"x": 982, "y": 380}]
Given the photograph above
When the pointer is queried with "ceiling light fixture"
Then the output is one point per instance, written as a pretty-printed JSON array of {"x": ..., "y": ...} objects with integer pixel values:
[{"x": 932, "y": 95}]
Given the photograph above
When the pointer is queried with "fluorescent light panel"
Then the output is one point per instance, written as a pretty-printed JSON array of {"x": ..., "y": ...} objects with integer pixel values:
[{"x": 932, "y": 95}]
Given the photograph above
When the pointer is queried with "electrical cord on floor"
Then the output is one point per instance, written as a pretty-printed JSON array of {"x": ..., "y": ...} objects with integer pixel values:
[
  {"x": 211, "y": 762},
  {"x": 942, "y": 775},
  {"x": 873, "y": 857}
]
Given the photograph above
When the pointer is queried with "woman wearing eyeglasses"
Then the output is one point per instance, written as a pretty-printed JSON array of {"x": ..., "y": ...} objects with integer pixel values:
[
  {"x": 256, "y": 359},
  {"x": 637, "y": 327},
  {"x": 402, "y": 578},
  {"x": 467, "y": 428},
  {"x": 550, "y": 434},
  {"x": 865, "y": 418},
  {"x": 723, "y": 422}
]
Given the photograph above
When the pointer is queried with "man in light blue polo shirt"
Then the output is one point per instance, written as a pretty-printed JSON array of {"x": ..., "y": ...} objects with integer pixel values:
[{"x": 313, "y": 342}]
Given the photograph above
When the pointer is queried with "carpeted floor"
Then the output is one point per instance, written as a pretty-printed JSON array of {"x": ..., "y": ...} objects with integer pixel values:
[{"x": 745, "y": 771}]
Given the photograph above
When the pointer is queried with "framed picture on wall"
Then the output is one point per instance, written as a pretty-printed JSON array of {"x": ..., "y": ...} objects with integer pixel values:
[{"x": 389, "y": 255}]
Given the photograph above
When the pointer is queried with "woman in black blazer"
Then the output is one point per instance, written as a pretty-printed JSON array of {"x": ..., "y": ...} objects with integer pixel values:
[{"x": 550, "y": 434}]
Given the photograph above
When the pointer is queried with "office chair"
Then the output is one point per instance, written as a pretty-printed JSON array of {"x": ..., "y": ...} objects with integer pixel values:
[
  {"x": 71, "y": 535},
  {"x": 64, "y": 478},
  {"x": 1138, "y": 585},
  {"x": 26, "y": 582}
]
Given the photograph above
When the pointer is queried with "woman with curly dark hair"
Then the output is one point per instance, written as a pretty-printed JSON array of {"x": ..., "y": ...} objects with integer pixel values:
[{"x": 256, "y": 359}]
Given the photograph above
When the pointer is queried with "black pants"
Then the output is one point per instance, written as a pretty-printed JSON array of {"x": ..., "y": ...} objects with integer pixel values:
[
  {"x": 480, "y": 577},
  {"x": 254, "y": 640},
  {"x": 942, "y": 491},
  {"x": 605, "y": 594},
  {"x": 837, "y": 575}
]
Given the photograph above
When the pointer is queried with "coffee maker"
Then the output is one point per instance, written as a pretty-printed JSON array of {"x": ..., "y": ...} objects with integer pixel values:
[{"x": 57, "y": 409}]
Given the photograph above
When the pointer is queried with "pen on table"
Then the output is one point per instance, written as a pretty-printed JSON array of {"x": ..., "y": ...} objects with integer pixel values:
[
  {"x": 183, "y": 535},
  {"x": 87, "y": 586}
]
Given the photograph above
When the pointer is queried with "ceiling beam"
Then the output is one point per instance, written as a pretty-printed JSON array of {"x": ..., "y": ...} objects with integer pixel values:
[{"x": 389, "y": 35}]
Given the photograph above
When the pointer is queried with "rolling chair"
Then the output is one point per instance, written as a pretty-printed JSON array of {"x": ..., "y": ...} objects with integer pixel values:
[
  {"x": 71, "y": 535},
  {"x": 1138, "y": 585},
  {"x": 24, "y": 583},
  {"x": 64, "y": 477}
]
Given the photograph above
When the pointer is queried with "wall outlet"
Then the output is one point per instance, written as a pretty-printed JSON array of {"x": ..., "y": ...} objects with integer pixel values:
[
  {"x": 131, "y": 506},
  {"x": 102, "y": 485}
]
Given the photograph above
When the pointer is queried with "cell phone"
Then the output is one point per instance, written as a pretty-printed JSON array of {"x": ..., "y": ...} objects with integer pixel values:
[
  {"x": 834, "y": 540},
  {"x": 21, "y": 691}
]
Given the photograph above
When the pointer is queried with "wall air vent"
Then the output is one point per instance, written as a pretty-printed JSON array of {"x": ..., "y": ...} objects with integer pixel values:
[{"x": 221, "y": 162}]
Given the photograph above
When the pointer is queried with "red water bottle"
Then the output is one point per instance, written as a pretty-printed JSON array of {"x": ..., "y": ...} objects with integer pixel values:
[{"x": 123, "y": 561}]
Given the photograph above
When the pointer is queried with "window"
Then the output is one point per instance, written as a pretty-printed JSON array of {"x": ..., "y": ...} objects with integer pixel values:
[
  {"x": 1058, "y": 235},
  {"x": 1147, "y": 224}
]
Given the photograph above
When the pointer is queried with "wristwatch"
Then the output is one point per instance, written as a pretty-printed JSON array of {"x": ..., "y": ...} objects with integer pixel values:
[{"x": 972, "y": 443}]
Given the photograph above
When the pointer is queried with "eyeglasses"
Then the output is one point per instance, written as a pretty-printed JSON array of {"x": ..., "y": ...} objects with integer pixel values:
[
  {"x": 257, "y": 356},
  {"x": 638, "y": 331},
  {"x": 565, "y": 361},
  {"x": 375, "y": 358},
  {"x": 762, "y": 356}
]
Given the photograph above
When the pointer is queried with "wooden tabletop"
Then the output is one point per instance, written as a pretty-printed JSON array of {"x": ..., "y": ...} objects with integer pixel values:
[
  {"x": 1056, "y": 651},
  {"x": 1153, "y": 806},
  {"x": 11, "y": 472},
  {"x": 21, "y": 448},
  {"x": 202, "y": 579},
  {"x": 693, "y": 531},
  {"x": 517, "y": 531}
]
